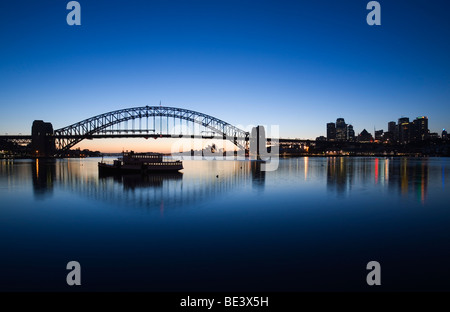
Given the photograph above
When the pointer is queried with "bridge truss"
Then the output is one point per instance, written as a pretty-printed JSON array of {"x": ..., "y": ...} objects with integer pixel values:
[{"x": 150, "y": 121}]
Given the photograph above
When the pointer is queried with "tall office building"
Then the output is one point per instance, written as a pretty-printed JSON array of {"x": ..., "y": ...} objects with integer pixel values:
[
  {"x": 403, "y": 120},
  {"x": 350, "y": 133},
  {"x": 391, "y": 126},
  {"x": 331, "y": 131},
  {"x": 419, "y": 131},
  {"x": 403, "y": 130},
  {"x": 341, "y": 130},
  {"x": 391, "y": 135},
  {"x": 444, "y": 135}
]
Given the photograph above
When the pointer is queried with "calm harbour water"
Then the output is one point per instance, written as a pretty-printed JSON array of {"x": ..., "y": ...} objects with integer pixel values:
[{"x": 313, "y": 224}]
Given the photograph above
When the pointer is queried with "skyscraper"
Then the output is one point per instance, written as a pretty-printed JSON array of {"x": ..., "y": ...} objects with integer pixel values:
[
  {"x": 341, "y": 130},
  {"x": 391, "y": 135},
  {"x": 420, "y": 129},
  {"x": 350, "y": 133},
  {"x": 403, "y": 130},
  {"x": 391, "y": 126},
  {"x": 331, "y": 131},
  {"x": 403, "y": 120}
]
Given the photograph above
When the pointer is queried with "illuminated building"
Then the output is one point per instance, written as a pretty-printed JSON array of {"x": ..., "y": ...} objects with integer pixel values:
[
  {"x": 350, "y": 133},
  {"x": 391, "y": 126},
  {"x": 419, "y": 131},
  {"x": 331, "y": 131},
  {"x": 341, "y": 130},
  {"x": 365, "y": 137},
  {"x": 403, "y": 130},
  {"x": 379, "y": 135}
]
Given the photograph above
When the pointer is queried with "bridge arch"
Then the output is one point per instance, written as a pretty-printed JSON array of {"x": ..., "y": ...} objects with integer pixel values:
[{"x": 103, "y": 124}]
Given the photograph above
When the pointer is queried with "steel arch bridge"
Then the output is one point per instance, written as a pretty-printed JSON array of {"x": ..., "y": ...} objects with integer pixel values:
[{"x": 156, "y": 124}]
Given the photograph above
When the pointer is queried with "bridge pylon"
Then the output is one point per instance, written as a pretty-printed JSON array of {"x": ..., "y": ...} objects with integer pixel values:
[
  {"x": 42, "y": 140},
  {"x": 257, "y": 142}
]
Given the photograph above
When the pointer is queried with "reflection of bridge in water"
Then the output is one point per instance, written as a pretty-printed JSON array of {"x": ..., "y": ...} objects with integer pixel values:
[{"x": 159, "y": 191}]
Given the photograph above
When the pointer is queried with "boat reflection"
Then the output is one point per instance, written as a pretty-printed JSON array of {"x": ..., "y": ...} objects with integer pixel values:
[{"x": 133, "y": 181}]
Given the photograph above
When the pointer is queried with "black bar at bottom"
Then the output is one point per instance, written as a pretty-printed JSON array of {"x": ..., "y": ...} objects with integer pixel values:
[{"x": 205, "y": 301}]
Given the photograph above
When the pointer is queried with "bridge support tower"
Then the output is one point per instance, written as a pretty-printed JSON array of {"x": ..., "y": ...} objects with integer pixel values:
[
  {"x": 257, "y": 143},
  {"x": 42, "y": 140}
]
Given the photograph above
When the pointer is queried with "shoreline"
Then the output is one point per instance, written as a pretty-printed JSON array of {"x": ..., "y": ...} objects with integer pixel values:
[{"x": 280, "y": 156}]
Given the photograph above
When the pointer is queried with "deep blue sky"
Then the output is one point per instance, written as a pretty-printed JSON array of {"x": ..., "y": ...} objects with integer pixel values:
[{"x": 297, "y": 64}]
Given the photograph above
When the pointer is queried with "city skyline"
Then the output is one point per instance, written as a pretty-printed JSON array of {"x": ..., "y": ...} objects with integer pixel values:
[
  {"x": 293, "y": 64},
  {"x": 345, "y": 132}
]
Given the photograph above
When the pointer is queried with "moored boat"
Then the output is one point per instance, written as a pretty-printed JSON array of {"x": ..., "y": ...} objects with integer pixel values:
[{"x": 132, "y": 162}]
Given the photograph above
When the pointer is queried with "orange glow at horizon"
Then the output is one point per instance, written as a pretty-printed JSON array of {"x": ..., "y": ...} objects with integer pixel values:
[{"x": 160, "y": 145}]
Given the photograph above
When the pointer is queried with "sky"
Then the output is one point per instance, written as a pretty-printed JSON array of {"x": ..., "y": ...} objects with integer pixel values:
[{"x": 296, "y": 64}]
